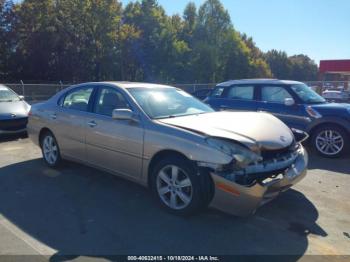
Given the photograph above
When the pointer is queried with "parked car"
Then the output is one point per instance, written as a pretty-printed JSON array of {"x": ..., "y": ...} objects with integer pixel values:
[
  {"x": 295, "y": 104},
  {"x": 161, "y": 137},
  {"x": 336, "y": 95},
  {"x": 13, "y": 112},
  {"x": 201, "y": 94}
]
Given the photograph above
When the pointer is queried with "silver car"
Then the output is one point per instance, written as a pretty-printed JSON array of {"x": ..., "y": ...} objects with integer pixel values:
[
  {"x": 161, "y": 137},
  {"x": 13, "y": 112},
  {"x": 336, "y": 95}
]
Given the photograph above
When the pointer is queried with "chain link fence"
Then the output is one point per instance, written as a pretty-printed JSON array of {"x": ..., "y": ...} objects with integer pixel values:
[
  {"x": 36, "y": 92},
  {"x": 39, "y": 92}
]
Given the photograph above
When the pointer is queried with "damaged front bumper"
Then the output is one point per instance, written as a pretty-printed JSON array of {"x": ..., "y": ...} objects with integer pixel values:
[{"x": 243, "y": 200}]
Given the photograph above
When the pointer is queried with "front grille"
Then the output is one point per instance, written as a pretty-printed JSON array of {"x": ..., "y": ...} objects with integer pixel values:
[
  {"x": 13, "y": 124},
  {"x": 269, "y": 155},
  {"x": 274, "y": 161}
]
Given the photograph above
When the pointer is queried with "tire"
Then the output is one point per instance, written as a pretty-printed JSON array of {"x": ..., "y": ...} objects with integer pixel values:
[
  {"x": 50, "y": 150},
  {"x": 330, "y": 141},
  {"x": 190, "y": 193}
]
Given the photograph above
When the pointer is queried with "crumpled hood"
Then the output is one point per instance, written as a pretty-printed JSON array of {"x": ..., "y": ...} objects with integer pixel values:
[
  {"x": 19, "y": 108},
  {"x": 252, "y": 129}
]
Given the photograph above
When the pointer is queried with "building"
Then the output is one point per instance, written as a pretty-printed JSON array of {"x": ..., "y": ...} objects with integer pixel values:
[{"x": 335, "y": 70}]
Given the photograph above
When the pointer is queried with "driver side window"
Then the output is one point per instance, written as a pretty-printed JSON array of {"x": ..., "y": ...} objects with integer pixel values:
[
  {"x": 78, "y": 99},
  {"x": 109, "y": 99},
  {"x": 275, "y": 94}
]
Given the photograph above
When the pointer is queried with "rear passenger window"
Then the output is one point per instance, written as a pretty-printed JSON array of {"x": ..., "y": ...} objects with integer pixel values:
[
  {"x": 276, "y": 94},
  {"x": 78, "y": 99},
  {"x": 241, "y": 92}
]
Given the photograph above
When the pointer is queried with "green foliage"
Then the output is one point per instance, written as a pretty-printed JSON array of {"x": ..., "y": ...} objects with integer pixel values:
[
  {"x": 7, "y": 39},
  {"x": 303, "y": 68},
  {"x": 298, "y": 67},
  {"x": 93, "y": 40}
]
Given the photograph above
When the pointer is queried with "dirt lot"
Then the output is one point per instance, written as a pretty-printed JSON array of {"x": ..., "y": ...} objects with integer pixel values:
[{"x": 79, "y": 210}]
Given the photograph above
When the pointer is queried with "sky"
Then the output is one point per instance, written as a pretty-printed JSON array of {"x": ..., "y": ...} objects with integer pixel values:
[{"x": 317, "y": 28}]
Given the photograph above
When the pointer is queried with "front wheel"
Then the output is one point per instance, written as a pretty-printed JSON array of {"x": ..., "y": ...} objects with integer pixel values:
[
  {"x": 179, "y": 188},
  {"x": 50, "y": 150},
  {"x": 330, "y": 141}
]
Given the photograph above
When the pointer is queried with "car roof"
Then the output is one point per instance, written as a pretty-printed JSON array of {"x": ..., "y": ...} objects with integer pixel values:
[
  {"x": 119, "y": 84},
  {"x": 128, "y": 85},
  {"x": 259, "y": 81}
]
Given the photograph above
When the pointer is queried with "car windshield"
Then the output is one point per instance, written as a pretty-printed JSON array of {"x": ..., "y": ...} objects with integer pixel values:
[
  {"x": 307, "y": 95},
  {"x": 7, "y": 95},
  {"x": 168, "y": 102}
]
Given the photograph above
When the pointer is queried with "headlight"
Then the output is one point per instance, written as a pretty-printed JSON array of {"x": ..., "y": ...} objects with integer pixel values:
[{"x": 241, "y": 154}]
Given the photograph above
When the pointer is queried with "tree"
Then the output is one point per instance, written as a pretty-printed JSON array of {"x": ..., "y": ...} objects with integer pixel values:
[
  {"x": 279, "y": 63},
  {"x": 6, "y": 37},
  {"x": 35, "y": 34},
  {"x": 190, "y": 22},
  {"x": 303, "y": 68},
  {"x": 213, "y": 28},
  {"x": 150, "y": 20},
  {"x": 298, "y": 67},
  {"x": 84, "y": 40},
  {"x": 88, "y": 30},
  {"x": 221, "y": 52},
  {"x": 259, "y": 66}
]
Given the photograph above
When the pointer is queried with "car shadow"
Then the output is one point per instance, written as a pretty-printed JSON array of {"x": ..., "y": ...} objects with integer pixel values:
[
  {"x": 80, "y": 210},
  {"x": 337, "y": 165}
]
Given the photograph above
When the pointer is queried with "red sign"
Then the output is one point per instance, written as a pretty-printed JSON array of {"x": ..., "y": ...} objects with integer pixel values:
[{"x": 334, "y": 66}]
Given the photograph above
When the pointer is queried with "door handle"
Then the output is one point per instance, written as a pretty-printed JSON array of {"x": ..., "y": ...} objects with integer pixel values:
[
  {"x": 53, "y": 116},
  {"x": 92, "y": 124}
]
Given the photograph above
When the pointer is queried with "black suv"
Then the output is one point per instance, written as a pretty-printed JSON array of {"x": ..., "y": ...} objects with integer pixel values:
[{"x": 296, "y": 104}]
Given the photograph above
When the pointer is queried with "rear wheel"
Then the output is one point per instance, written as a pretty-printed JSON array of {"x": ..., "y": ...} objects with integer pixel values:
[
  {"x": 50, "y": 149},
  {"x": 330, "y": 141},
  {"x": 179, "y": 188}
]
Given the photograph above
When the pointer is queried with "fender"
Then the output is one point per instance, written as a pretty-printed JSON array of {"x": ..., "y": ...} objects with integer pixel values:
[{"x": 340, "y": 121}]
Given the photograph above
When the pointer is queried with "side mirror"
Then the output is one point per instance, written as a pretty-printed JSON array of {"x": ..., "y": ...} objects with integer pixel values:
[
  {"x": 123, "y": 114},
  {"x": 21, "y": 98},
  {"x": 289, "y": 101}
]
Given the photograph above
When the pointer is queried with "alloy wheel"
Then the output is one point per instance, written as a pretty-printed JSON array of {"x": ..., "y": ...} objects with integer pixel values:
[
  {"x": 174, "y": 187},
  {"x": 329, "y": 142},
  {"x": 50, "y": 149}
]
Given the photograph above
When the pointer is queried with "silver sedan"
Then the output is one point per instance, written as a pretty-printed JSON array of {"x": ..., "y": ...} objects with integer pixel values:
[
  {"x": 13, "y": 112},
  {"x": 161, "y": 137}
]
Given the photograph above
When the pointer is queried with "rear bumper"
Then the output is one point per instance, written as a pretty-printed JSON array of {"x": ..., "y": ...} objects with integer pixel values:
[
  {"x": 6, "y": 132},
  {"x": 241, "y": 200},
  {"x": 13, "y": 126}
]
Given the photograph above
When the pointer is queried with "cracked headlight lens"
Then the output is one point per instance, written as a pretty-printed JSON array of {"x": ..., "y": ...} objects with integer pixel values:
[{"x": 241, "y": 154}]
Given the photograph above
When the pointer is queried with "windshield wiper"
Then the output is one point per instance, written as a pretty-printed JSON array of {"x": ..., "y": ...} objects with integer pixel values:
[
  {"x": 165, "y": 117},
  {"x": 173, "y": 116}
]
